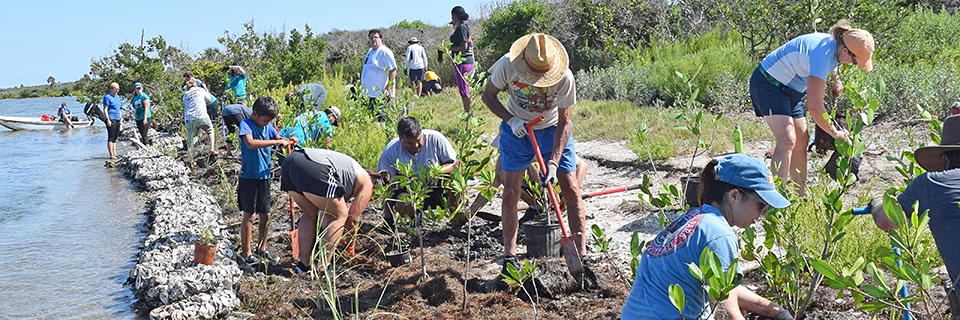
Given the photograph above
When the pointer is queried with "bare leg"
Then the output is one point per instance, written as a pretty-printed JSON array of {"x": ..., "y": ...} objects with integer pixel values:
[
  {"x": 213, "y": 146},
  {"x": 246, "y": 228},
  {"x": 307, "y": 231},
  {"x": 481, "y": 200},
  {"x": 508, "y": 216},
  {"x": 466, "y": 104},
  {"x": 575, "y": 213},
  {"x": 112, "y": 149},
  {"x": 262, "y": 229},
  {"x": 785, "y": 134},
  {"x": 798, "y": 161}
]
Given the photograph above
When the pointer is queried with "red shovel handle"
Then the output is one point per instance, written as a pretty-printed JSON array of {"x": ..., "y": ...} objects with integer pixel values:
[
  {"x": 620, "y": 189},
  {"x": 543, "y": 169}
]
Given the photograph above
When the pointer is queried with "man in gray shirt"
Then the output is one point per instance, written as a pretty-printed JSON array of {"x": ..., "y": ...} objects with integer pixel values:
[{"x": 423, "y": 148}]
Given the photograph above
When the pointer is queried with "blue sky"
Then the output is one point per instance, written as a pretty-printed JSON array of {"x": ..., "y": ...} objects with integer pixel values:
[{"x": 60, "y": 38}]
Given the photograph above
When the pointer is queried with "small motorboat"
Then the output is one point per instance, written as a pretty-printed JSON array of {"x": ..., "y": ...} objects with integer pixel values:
[{"x": 34, "y": 123}]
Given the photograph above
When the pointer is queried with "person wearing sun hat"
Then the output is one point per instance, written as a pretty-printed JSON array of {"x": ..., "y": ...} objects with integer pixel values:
[
  {"x": 535, "y": 73},
  {"x": 416, "y": 61},
  {"x": 937, "y": 190},
  {"x": 734, "y": 191},
  {"x": 800, "y": 69}
]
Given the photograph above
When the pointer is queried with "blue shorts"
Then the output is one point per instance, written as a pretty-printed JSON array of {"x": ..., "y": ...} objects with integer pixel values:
[
  {"x": 769, "y": 99},
  {"x": 417, "y": 74},
  {"x": 517, "y": 153}
]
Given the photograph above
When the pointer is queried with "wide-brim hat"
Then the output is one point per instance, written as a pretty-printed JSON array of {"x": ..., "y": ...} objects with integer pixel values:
[
  {"x": 333, "y": 110},
  {"x": 539, "y": 59},
  {"x": 860, "y": 42},
  {"x": 413, "y": 40},
  {"x": 931, "y": 157}
]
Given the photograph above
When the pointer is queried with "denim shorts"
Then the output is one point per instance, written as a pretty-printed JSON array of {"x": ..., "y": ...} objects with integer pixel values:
[
  {"x": 770, "y": 99},
  {"x": 517, "y": 153},
  {"x": 417, "y": 74}
]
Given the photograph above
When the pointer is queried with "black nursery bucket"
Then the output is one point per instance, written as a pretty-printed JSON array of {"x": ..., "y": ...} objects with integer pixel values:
[
  {"x": 831, "y": 166},
  {"x": 542, "y": 239}
]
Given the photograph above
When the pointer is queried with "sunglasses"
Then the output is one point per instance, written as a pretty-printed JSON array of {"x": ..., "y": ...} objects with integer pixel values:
[
  {"x": 757, "y": 198},
  {"x": 852, "y": 55}
]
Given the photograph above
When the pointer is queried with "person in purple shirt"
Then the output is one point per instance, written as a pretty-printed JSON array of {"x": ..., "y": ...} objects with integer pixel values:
[{"x": 111, "y": 107}]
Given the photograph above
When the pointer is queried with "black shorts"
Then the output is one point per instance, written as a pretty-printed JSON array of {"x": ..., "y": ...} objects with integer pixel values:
[
  {"x": 113, "y": 131},
  {"x": 417, "y": 74},
  {"x": 302, "y": 175},
  {"x": 253, "y": 195},
  {"x": 431, "y": 85},
  {"x": 232, "y": 121}
]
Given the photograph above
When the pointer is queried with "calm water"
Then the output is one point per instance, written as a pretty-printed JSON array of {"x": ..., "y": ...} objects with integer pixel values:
[{"x": 69, "y": 227}]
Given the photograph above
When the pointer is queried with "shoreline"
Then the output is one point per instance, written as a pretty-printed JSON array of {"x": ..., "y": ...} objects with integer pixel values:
[{"x": 165, "y": 280}]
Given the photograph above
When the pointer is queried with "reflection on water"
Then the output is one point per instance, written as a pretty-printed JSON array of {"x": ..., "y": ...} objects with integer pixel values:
[{"x": 69, "y": 227}]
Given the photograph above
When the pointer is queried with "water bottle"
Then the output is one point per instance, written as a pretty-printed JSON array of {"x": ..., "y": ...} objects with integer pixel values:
[{"x": 737, "y": 139}]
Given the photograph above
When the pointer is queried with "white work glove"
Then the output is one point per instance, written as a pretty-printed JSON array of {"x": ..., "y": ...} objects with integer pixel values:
[
  {"x": 551, "y": 173},
  {"x": 518, "y": 127}
]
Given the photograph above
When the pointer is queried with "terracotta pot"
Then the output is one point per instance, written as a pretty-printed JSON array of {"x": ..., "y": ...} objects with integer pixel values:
[{"x": 203, "y": 254}]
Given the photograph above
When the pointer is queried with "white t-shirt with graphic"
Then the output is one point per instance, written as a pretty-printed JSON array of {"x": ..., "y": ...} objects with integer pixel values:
[
  {"x": 528, "y": 102},
  {"x": 376, "y": 70}
]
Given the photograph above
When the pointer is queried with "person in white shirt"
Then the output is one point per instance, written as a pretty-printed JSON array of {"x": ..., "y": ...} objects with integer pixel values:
[
  {"x": 417, "y": 62},
  {"x": 195, "y": 101},
  {"x": 379, "y": 71}
]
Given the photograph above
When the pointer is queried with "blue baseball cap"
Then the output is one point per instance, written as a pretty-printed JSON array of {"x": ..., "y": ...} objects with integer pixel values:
[
  {"x": 747, "y": 172},
  {"x": 137, "y": 85}
]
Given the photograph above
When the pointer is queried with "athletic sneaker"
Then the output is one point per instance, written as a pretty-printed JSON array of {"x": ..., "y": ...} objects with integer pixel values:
[
  {"x": 301, "y": 268},
  {"x": 510, "y": 260}
]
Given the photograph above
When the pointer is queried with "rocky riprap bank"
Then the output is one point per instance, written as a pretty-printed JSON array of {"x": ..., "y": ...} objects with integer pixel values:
[{"x": 165, "y": 280}]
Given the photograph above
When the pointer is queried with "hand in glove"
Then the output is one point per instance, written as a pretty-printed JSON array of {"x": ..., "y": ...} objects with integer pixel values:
[
  {"x": 404, "y": 71},
  {"x": 439, "y": 56},
  {"x": 518, "y": 127},
  {"x": 551, "y": 173}
]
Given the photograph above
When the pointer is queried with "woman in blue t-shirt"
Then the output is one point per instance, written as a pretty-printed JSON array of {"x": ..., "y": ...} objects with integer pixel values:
[
  {"x": 734, "y": 190},
  {"x": 800, "y": 68}
]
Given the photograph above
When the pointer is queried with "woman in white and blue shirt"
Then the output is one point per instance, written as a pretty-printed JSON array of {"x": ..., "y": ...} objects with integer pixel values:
[{"x": 800, "y": 69}]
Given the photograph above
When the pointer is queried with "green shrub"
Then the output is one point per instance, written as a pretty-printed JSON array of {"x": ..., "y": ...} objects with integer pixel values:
[
  {"x": 933, "y": 87},
  {"x": 620, "y": 82},
  {"x": 710, "y": 53},
  {"x": 924, "y": 37},
  {"x": 507, "y": 23}
]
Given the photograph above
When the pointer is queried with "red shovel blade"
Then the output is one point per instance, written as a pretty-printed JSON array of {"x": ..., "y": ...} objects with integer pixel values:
[{"x": 294, "y": 243}]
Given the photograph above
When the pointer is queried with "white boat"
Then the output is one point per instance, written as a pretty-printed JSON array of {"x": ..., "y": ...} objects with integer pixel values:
[{"x": 31, "y": 123}]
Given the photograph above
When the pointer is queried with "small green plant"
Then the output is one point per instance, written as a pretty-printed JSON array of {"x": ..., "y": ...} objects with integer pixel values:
[
  {"x": 602, "y": 244},
  {"x": 717, "y": 283},
  {"x": 206, "y": 238},
  {"x": 908, "y": 261},
  {"x": 517, "y": 278},
  {"x": 636, "y": 249}
]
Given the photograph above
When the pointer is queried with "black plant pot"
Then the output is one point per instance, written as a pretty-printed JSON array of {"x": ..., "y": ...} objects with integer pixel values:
[
  {"x": 398, "y": 258},
  {"x": 692, "y": 187},
  {"x": 542, "y": 239},
  {"x": 831, "y": 166}
]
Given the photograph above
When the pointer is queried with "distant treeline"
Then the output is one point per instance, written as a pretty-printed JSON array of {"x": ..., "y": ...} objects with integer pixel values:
[{"x": 41, "y": 91}]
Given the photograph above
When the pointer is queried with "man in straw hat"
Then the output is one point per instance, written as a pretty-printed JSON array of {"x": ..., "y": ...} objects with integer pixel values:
[
  {"x": 416, "y": 60},
  {"x": 937, "y": 190},
  {"x": 536, "y": 75}
]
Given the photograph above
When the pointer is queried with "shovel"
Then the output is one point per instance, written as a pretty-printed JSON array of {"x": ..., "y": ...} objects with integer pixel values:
[
  {"x": 293, "y": 216},
  {"x": 568, "y": 245},
  {"x": 620, "y": 189}
]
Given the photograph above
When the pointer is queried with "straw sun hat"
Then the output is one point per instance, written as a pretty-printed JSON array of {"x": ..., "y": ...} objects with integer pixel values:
[
  {"x": 931, "y": 157},
  {"x": 539, "y": 59}
]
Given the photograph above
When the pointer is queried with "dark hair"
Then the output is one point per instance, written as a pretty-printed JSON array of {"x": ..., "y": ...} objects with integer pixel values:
[
  {"x": 460, "y": 13},
  {"x": 712, "y": 189},
  {"x": 409, "y": 127},
  {"x": 953, "y": 160},
  {"x": 377, "y": 31},
  {"x": 839, "y": 29},
  {"x": 378, "y": 178},
  {"x": 63, "y": 103},
  {"x": 265, "y": 106},
  {"x": 188, "y": 74}
]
